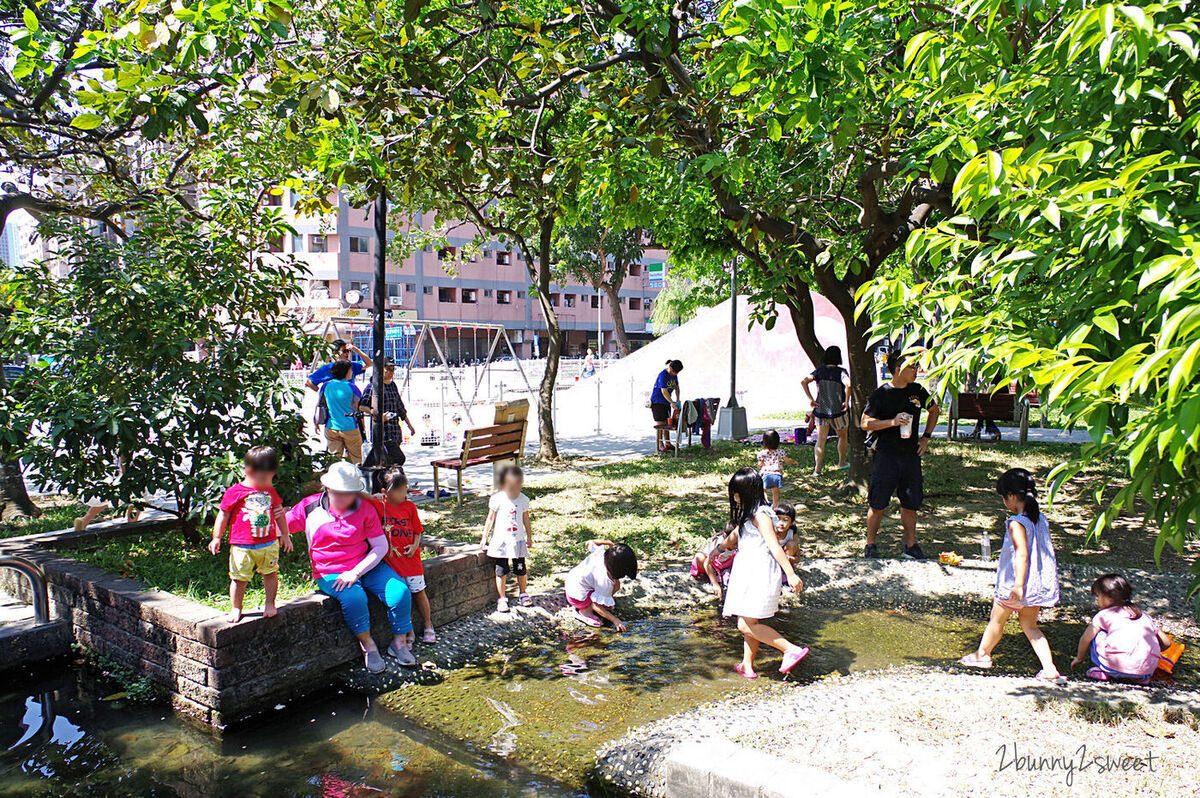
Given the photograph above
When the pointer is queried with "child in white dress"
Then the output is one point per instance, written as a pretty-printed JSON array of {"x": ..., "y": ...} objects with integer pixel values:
[
  {"x": 511, "y": 534},
  {"x": 758, "y": 573}
]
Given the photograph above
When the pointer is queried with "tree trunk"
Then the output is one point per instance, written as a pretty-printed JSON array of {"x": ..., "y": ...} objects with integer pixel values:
[
  {"x": 618, "y": 319},
  {"x": 14, "y": 498},
  {"x": 547, "y": 446}
]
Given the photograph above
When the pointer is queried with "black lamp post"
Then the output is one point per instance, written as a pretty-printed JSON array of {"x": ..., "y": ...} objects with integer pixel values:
[{"x": 377, "y": 445}]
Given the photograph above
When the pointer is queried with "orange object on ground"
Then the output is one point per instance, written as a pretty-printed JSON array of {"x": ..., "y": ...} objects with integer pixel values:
[{"x": 1169, "y": 658}]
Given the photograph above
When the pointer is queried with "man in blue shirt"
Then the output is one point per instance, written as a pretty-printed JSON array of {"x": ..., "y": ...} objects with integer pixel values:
[
  {"x": 341, "y": 351},
  {"x": 342, "y": 436},
  {"x": 661, "y": 401}
]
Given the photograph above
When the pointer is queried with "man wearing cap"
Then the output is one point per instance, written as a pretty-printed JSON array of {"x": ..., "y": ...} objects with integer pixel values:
[
  {"x": 393, "y": 413},
  {"x": 341, "y": 351}
]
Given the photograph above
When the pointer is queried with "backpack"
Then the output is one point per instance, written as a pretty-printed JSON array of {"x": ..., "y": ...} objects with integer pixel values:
[{"x": 321, "y": 414}]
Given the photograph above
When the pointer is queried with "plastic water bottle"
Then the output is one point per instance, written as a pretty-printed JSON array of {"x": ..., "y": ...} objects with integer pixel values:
[{"x": 985, "y": 547}]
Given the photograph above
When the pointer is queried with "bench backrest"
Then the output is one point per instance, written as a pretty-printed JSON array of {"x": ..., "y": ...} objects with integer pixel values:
[
  {"x": 985, "y": 406},
  {"x": 497, "y": 442}
]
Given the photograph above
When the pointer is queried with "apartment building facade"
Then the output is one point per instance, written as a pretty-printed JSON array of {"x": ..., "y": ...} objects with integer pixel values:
[{"x": 452, "y": 285}]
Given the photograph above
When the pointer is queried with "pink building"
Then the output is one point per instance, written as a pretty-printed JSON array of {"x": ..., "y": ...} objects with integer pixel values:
[{"x": 449, "y": 285}]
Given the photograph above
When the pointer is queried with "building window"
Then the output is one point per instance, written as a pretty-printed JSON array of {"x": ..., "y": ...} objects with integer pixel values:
[
  {"x": 520, "y": 295},
  {"x": 275, "y": 243},
  {"x": 503, "y": 258},
  {"x": 649, "y": 305},
  {"x": 427, "y": 290},
  {"x": 470, "y": 296},
  {"x": 554, "y": 300},
  {"x": 635, "y": 270},
  {"x": 474, "y": 258},
  {"x": 361, "y": 286},
  {"x": 635, "y": 303},
  {"x": 504, "y": 297},
  {"x": 446, "y": 295},
  {"x": 447, "y": 253},
  {"x": 394, "y": 289},
  {"x": 318, "y": 243},
  {"x": 274, "y": 198},
  {"x": 595, "y": 300},
  {"x": 360, "y": 244},
  {"x": 487, "y": 293},
  {"x": 297, "y": 243},
  {"x": 410, "y": 288},
  {"x": 568, "y": 300}
]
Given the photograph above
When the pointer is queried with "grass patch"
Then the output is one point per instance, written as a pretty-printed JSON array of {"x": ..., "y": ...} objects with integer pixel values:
[
  {"x": 58, "y": 512},
  {"x": 162, "y": 560},
  {"x": 666, "y": 507}
]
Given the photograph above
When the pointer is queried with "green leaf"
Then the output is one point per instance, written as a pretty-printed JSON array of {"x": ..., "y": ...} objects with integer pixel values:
[
  {"x": 1108, "y": 323},
  {"x": 740, "y": 88},
  {"x": 774, "y": 131},
  {"x": 87, "y": 121},
  {"x": 31, "y": 20},
  {"x": 1051, "y": 213}
]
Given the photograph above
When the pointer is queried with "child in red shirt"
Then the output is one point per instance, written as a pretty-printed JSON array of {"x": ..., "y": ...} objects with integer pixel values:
[
  {"x": 253, "y": 512},
  {"x": 402, "y": 526}
]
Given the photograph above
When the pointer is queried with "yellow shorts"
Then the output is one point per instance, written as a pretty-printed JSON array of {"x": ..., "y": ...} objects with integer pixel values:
[{"x": 243, "y": 562}]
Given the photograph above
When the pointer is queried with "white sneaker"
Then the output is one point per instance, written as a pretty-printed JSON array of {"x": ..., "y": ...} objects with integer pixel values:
[{"x": 502, "y": 605}]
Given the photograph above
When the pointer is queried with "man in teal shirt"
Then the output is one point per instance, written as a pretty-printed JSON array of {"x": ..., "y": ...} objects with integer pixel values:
[{"x": 342, "y": 436}]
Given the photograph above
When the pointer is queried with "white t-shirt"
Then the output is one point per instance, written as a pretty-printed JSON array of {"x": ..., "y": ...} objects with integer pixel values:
[
  {"x": 509, "y": 535},
  {"x": 591, "y": 577}
]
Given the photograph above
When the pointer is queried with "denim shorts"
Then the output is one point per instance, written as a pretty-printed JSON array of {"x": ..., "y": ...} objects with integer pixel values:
[{"x": 772, "y": 481}]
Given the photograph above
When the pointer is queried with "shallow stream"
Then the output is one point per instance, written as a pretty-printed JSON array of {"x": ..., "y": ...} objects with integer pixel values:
[{"x": 524, "y": 721}]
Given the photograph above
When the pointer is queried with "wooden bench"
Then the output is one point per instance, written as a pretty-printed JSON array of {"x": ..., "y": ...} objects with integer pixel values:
[
  {"x": 482, "y": 446},
  {"x": 999, "y": 406}
]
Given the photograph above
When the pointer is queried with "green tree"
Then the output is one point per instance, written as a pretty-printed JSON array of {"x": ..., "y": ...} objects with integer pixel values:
[
  {"x": 161, "y": 355},
  {"x": 103, "y": 104},
  {"x": 1072, "y": 265},
  {"x": 598, "y": 254}
]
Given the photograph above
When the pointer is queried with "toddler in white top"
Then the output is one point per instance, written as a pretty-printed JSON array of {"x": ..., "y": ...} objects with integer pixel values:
[
  {"x": 511, "y": 534},
  {"x": 592, "y": 584}
]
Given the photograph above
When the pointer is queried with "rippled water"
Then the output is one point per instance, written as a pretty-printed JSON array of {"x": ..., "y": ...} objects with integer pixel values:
[{"x": 523, "y": 721}]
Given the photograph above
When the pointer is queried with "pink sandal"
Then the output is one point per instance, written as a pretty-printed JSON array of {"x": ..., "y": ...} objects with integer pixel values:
[
  {"x": 742, "y": 672},
  {"x": 973, "y": 660},
  {"x": 579, "y": 616}
]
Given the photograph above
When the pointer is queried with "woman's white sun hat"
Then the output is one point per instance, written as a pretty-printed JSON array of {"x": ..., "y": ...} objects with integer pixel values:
[{"x": 345, "y": 477}]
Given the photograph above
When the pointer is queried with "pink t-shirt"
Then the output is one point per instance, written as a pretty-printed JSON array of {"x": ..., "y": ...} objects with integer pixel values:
[
  {"x": 249, "y": 510},
  {"x": 770, "y": 461},
  {"x": 1131, "y": 644},
  {"x": 336, "y": 541}
]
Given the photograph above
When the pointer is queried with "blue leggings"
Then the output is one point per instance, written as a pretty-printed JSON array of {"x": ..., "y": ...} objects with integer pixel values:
[{"x": 381, "y": 580}]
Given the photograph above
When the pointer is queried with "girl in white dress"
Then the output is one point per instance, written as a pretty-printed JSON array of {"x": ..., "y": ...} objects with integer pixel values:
[{"x": 758, "y": 573}]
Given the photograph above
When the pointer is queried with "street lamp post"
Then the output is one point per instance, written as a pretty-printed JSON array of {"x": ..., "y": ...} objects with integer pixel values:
[
  {"x": 380, "y": 451},
  {"x": 731, "y": 420},
  {"x": 599, "y": 354}
]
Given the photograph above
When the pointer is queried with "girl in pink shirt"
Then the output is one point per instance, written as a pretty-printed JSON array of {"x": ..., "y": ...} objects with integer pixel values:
[{"x": 1123, "y": 641}]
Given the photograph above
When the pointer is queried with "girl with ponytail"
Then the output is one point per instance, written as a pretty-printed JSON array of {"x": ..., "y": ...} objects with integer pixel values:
[{"x": 1026, "y": 576}]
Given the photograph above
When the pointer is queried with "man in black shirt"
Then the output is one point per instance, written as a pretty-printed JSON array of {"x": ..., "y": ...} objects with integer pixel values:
[
  {"x": 393, "y": 413},
  {"x": 893, "y": 414}
]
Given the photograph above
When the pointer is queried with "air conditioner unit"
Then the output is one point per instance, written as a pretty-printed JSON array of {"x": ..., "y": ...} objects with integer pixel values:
[{"x": 395, "y": 301}]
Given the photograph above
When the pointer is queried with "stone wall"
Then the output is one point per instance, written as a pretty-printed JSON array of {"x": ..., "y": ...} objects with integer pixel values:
[{"x": 219, "y": 673}]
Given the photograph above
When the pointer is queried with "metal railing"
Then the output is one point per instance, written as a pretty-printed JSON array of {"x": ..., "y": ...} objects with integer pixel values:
[{"x": 37, "y": 584}]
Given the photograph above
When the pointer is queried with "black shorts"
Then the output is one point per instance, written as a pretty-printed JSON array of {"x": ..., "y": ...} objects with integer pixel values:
[
  {"x": 896, "y": 475},
  {"x": 515, "y": 565},
  {"x": 661, "y": 411}
]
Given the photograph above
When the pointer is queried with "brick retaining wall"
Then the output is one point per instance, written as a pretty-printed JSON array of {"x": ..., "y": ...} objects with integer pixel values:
[{"x": 219, "y": 673}]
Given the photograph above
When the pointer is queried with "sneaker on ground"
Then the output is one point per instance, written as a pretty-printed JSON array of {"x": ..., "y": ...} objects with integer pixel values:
[
  {"x": 871, "y": 551},
  {"x": 913, "y": 552},
  {"x": 403, "y": 655},
  {"x": 373, "y": 660},
  {"x": 502, "y": 605}
]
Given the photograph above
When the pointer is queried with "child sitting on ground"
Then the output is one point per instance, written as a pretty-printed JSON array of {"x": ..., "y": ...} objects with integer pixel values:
[
  {"x": 592, "y": 584},
  {"x": 714, "y": 561},
  {"x": 511, "y": 534},
  {"x": 770, "y": 464},
  {"x": 402, "y": 526},
  {"x": 1124, "y": 642},
  {"x": 253, "y": 512},
  {"x": 785, "y": 530},
  {"x": 1026, "y": 576}
]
